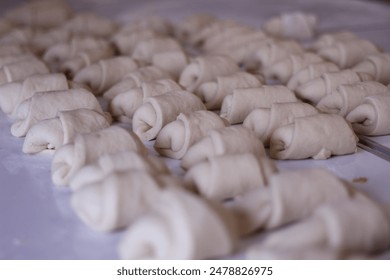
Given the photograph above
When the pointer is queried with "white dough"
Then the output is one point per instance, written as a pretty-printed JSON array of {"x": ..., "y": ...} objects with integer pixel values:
[
  {"x": 372, "y": 117},
  {"x": 272, "y": 51},
  {"x": 176, "y": 137},
  {"x": 377, "y": 65},
  {"x": 223, "y": 141},
  {"x": 156, "y": 24},
  {"x": 191, "y": 25},
  {"x": 157, "y": 111},
  {"x": 88, "y": 147},
  {"x": 58, "y": 131},
  {"x": 41, "y": 41},
  {"x": 171, "y": 61},
  {"x": 330, "y": 39},
  {"x": 264, "y": 121},
  {"x": 13, "y": 49},
  {"x": 126, "y": 42},
  {"x": 318, "y": 136},
  {"x": 45, "y": 105},
  {"x": 237, "y": 106},
  {"x": 144, "y": 50},
  {"x": 180, "y": 226}
]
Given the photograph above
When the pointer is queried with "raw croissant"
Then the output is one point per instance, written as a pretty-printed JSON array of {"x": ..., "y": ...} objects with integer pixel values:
[
  {"x": 227, "y": 176},
  {"x": 372, "y": 117},
  {"x": 158, "y": 111},
  {"x": 88, "y": 147},
  {"x": 223, "y": 141},
  {"x": 19, "y": 36},
  {"x": 316, "y": 89},
  {"x": 278, "y": 204},
  {"x": 126, "y": 42},
  {"x": 191, "y": 25},
  {"x": 123, "y": 161},
  {"x": 172, "y": 62},
  {"x": 264, "y": 121},
  {"x": 125, "y": 104},
  {"x": 283, "y": 69},
  {"x": 310, "y": 72},
  {"x": 8, "y": 59},
  {"x": 330, "y": 39},
  {"x": 213, "y": 93},
  {"x": 272, "y": 51},
  {"x": 19, "y": 70},
  {"x": 102, "y": 75},
  {"x": 176, "y": 137},
  {"x": 180, "y": 226},
  {"x": 117, "y": 200},
  {"x": 12, "y": 94},
  {"x": 295, "y": 25},
  {"x": 90, "y": 24},
  {"x": 352, "y": 225},
  {"x": 205, "y": 69},
  {"x": 134, "y": 79},
  {"x": 41, "y": 41},
  {"x": 237, "y": 106},
  {"x": 58, "y": 131},
  {"x": 347, "y": 97},
  {"x": 318, "y": 136},
  {"x": 156, "y": 24},
  {"x": 45, "y": 105},
  {"x": 144, "y": 50},
  {"x": 377, "y": 65}
]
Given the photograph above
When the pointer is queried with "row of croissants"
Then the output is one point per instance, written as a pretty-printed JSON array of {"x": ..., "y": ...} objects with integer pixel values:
[{"x": 115, "y": 102}]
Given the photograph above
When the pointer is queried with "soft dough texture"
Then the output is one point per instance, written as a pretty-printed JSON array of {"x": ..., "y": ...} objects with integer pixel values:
[
  {"x": 372, "y": 117},
  {"x": 223, "y": 141},
  {"x": 87, "y": 148},
  {"x": 172, "y": 62},
  {"x": 227, "y": 176},
  {"x": 55, "y": 132},
  {"x": 178, "y": 136},
  {"x": 125, "y": 104},
  {"x": 180, "y": 226},
  {"x": 122, "y": 161},
  {"x": 46, "y": 105},
  {"x": 144, "y": 50},
  {"x": 102, "y": 75},
  {"x": 377, "y": 65},
  {"x": 330, "y": 39},
  {"x": 318, "y": 136},
  {"x": 213, "y": 93},
  {"x": 205, "y": 69},
  {"x": 117, "y": 200},
  {"x": 12, "y": 94},
  {"x": 279, "y": 204},
  {"x": 237, "y": 106},
  {"x": 351, "y": 225},
  {"x": 347, "y": 97},
  {"x": 272, "y": 51},
  {"x": 265, "y": 121},
  {"x": 157, "y": 111}
]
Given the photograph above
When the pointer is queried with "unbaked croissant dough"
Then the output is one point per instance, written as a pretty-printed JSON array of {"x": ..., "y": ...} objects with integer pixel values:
[
  {"x": 19, "y": 70},
  {"x": 237, "y": 106},
  {"x": 372, "y": 117},
  {"x": 117, "y": 200},
  {"x": 144, "y": 50},
  {"x": 191, "y": 25},
  {"x": 283, "y": 69},
  {"x": 347, "y": 97},
  {"x": 156, "y": 24},
  {"x": 13, "y": 49},
  {"x": 352, "y": 225},
  {"x": 58, "y": 131},
  {"x": 377, "y": 65},
  {"x": 8, "y": 59},
  {"x": 122, "y": 161},
  {"x": 126, "y": 41},
  {"x": 134, "y": 79},
  {"x": 264, "y": 121},
  {"x": 125, "y": 104},
  {"x": 213, "y": 93},
  {"x": 205, "y": 69},
  {"x": 102, "y": 75},
  {"x": 227, "y": 176},
  {"x": 172, "y": 61},
  {"x": 12, "y": 94},
  {"x": 41, "y": 41},
  {"x": 330, "y": 39},
  {"x": 19, "y": 36},
  {"x": 45, "y": 105},
  {"x": 318, "y": 136},
  {"x": 295, "y": 25},
  {"x": 157, "y": 111},
  {"x": 346, "y": 54},
  {"x": 310, "y": 72},
  {"x": 272, "y": 51},
  {"x": 83, "y": 59},
  {"x": 40, "y": 13},
  {"x": 223, "y": 141},
  {"x": 180, "y": 226},
  {"x": 289, "y": 196},
  {"x": 176, "y": 137},
  {"x": 88, "y": 147},
  {"x": 316, "y": 89},
  {"x": 90, "y": 24}
]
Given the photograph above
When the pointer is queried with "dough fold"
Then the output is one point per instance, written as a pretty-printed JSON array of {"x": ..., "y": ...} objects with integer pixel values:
[
  {"x": 144, "y": 50},
  {"x": 272, "y": 51},
  {"x": 176, "y": 137},
  {"x": 318, "y": 136},
  {"x": 377, "y": 65}
]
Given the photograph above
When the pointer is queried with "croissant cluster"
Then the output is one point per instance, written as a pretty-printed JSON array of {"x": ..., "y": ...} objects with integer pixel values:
[{"x": 117, "y": 105}]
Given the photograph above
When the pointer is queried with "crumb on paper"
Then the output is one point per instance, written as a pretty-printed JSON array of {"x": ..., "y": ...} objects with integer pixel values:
[{"x": 360, "y": 180}]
